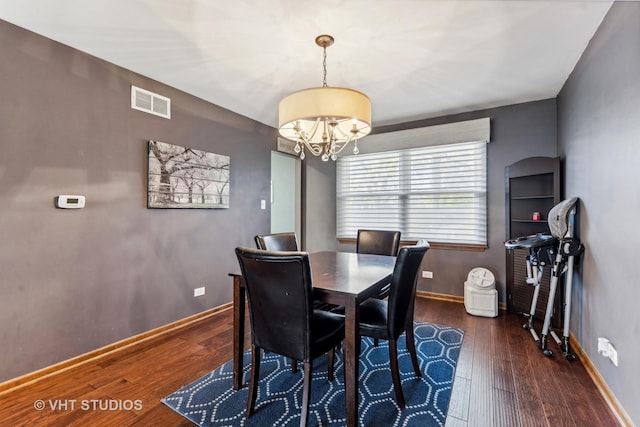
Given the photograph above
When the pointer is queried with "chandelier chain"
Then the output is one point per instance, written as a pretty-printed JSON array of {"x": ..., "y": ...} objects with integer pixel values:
[{"x": 324, "y": 66}]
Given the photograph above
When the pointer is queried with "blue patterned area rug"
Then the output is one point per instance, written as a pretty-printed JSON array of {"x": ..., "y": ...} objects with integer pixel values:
[{"x": 211, "y": 400}]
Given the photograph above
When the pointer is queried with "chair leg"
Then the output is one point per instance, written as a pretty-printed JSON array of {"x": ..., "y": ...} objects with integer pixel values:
[
  {"x": 294, "y": 366},
  {"x": 395, "y": 372},
  {"x": 344, "y": 370},
  {"x": 255, "y": 378},
  {"x": 330, "y": 359},
  {"x": 411, "y": 346},
  {"x": 375, "y": 342},
  {"x": 306, "y": 392}
]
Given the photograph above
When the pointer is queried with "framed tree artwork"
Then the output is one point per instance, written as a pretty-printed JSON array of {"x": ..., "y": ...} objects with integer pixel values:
[{"x": 181, "y": 177}]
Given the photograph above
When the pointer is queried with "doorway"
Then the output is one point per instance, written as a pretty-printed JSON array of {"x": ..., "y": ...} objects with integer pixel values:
[{"x": 286, "y": 194}]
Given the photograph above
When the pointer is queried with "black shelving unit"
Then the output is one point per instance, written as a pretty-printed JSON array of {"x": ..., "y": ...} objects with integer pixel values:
[{"x": 532, "y": 186}]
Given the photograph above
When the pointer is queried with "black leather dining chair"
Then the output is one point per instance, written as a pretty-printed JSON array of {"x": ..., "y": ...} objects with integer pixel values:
[
  {"x": 286, "y": 242},
  {"x": 280, "y": 290},
  {"x": 378, "y": 242},
  {"x": 388, "y": 319},
  {"x": 277, "y": 242}
]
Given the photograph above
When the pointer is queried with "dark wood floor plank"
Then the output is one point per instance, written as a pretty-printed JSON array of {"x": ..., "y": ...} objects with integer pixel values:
[
  {"x": 501, "y": 367},
  {"x": 578, "y": 391},
  {"x": 480, "y": 408},
  {"x": 532, "y": 414},
  {"x": 558, "y": 414},
  {"x": 160, "y": 415},
  {"x": 460, "y": 396},
  {"x": 56, "y": 401},
  {"x": 505, "y": 409},
  {"x": 455, "y": 422},
  {"x": 502, "y": 378},
  {"x": 527, "y": 391},
  {"x": 465, "y": 364}
]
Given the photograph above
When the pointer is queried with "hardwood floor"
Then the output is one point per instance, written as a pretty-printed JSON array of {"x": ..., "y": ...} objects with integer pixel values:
[{"x": 502, "y": 379}]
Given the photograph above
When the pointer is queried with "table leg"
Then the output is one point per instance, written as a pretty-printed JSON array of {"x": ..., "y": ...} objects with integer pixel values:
[
  {"x": 238, "y": 330},
  {"x": 352, "y": 360}
]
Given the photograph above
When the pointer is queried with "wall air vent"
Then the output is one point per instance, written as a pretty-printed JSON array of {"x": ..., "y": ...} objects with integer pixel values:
[
  {"x": 286, "y": 146},
  {"x": 150, "y": 102}
]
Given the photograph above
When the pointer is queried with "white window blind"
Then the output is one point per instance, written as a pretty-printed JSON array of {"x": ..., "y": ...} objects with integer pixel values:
[{"x": 438, "y": 193}]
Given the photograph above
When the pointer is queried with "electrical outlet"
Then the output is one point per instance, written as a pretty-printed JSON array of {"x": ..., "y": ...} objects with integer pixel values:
[
  {"x": 605, "y": 348},
  {"x": 613, "y": 354},
  {"x": 427, "y": 274},
  {"x": 198, "y": 292}
]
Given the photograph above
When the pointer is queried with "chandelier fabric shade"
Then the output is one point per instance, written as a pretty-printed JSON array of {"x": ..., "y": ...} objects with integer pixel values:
[
  {"x": 324, "y": 119},
  {"x": 330, "y": 102},
  {"x": 346, "y": 106}
]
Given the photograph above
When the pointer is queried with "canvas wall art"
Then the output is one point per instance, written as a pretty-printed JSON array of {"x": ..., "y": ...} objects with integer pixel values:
[{"x": 181, "y": 177}]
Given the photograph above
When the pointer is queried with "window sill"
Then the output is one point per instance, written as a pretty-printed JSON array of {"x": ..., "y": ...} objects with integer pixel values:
[{"x": 434, "y": 245}]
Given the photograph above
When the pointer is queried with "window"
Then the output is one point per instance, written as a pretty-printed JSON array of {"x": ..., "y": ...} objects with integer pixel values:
[{"x": 438, "y": 193}]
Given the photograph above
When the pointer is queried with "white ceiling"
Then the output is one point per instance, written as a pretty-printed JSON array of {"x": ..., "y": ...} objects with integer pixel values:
[{"x": 414, "y": 58}]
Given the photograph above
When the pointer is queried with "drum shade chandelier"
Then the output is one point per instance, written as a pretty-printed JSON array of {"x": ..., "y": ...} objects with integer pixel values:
[{"x": 324, "y": 120}]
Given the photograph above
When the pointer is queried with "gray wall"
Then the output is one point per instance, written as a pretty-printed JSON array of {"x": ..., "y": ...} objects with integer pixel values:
[
  {"x": 74, "y": 280},
  {"x": 319, "y": 205},
  {"x": 599, "y": 134},
  {"x": 517, "y": 131}
]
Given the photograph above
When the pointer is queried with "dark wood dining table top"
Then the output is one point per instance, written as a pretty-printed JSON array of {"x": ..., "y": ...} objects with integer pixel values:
[{"x": 345, "y": 274}]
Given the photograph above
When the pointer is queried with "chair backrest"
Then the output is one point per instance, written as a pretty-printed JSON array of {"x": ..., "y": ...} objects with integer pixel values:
[
  {"x": 378, "y": 242},
  {"x": 277, "y": 242},
  {"x": 560, "y": 218},
  {"x": 279, "y": 289},
  {"x": 403, "y": 286}
]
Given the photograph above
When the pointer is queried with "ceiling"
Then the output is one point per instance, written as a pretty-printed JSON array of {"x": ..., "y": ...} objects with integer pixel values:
[{"x": 414, "y": 58}]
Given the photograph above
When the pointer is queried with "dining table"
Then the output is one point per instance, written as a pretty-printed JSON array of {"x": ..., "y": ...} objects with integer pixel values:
[{"x": 339, "y": 278}]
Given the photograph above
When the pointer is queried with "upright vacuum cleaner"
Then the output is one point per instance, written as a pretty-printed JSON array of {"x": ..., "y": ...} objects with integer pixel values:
[{"x": 556, "y": 251}]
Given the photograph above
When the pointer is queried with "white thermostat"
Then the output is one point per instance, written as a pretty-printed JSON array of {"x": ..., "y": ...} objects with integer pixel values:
[{"x": 69, "y": 202}]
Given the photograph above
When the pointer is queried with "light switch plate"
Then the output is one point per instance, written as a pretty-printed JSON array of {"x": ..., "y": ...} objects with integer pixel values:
[{"x": 68, "y": 201}]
